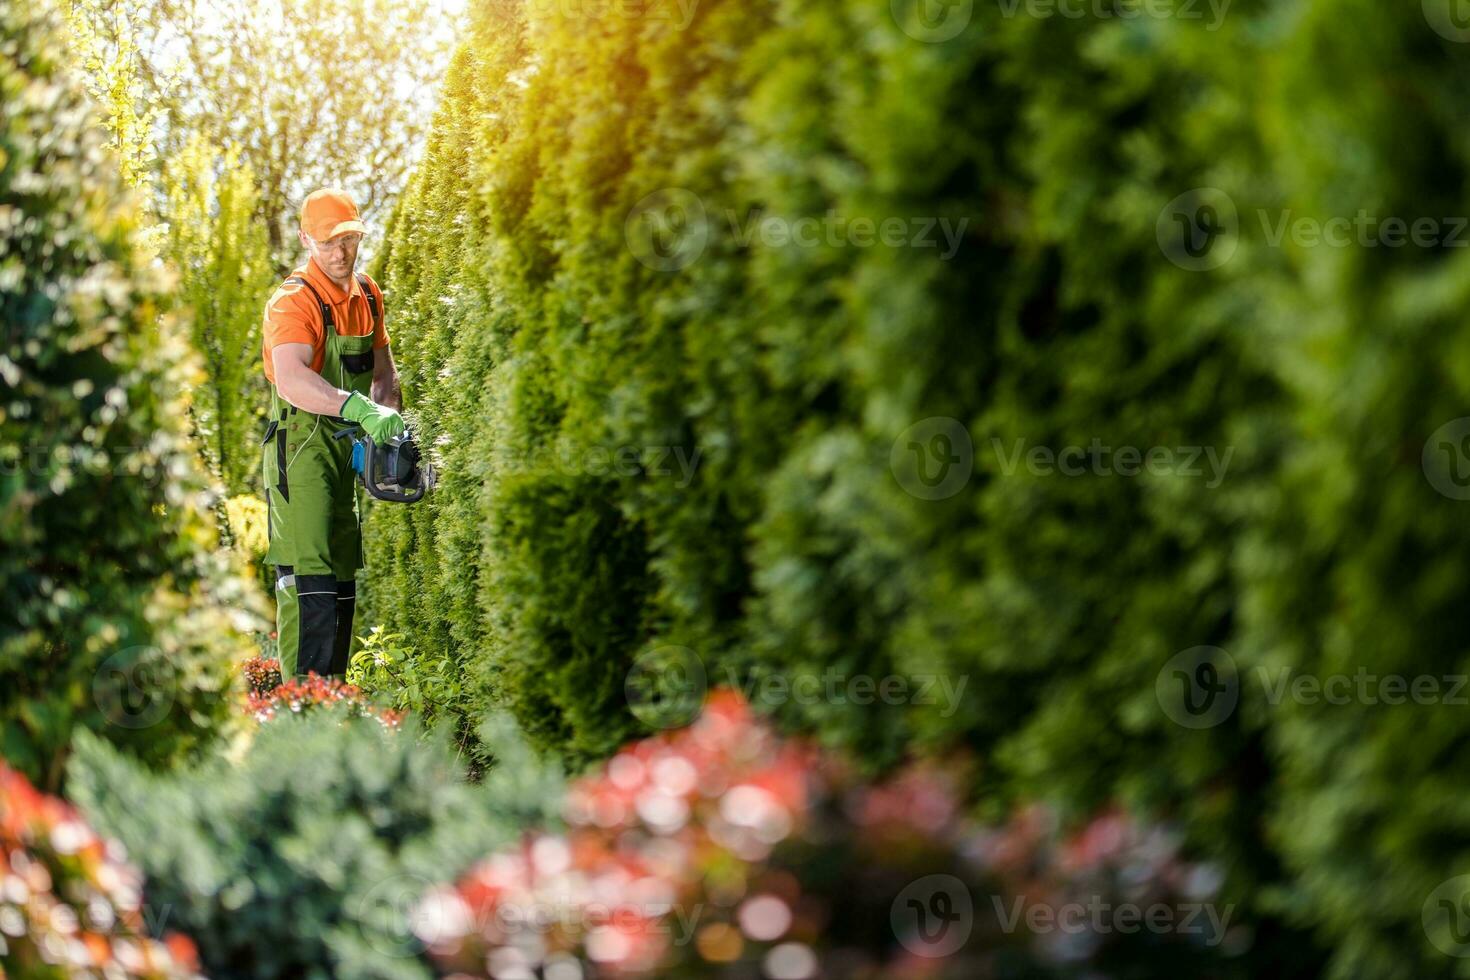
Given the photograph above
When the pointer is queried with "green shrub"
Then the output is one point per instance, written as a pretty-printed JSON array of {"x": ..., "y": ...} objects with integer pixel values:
[
  {"x": 114, "y": 612},
  {"x": 303, "y": 859},
  {"x": 559, "y": 298},
  {"x": 386, "y": 670},
  {"x": 1351, "y": 562}
]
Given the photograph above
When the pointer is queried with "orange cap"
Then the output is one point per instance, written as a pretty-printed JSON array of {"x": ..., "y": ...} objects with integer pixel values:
[{"x": 328, "y": 213}]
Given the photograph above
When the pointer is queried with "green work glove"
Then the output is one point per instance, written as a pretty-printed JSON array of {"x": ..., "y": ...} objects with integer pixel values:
[{"x": 379, "y": 422}]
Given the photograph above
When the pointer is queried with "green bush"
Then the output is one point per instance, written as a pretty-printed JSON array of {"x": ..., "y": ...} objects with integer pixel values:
[
  {"x": 387, "y": 671},
  {"x": 114, "y": 614},
  {"x": 560, "y": 298},
  {"x": 304, "y": 858}
]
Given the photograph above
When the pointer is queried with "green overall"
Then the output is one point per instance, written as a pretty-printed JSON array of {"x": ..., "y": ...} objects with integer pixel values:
[{"x": 312, "y": 497}]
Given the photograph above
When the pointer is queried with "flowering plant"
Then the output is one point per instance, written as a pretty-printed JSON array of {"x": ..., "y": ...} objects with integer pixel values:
[
  {"x": 724, "y": 850},
  {"x": 311, "y": 693},
  {"x": 262, "y": 674},
  {"x": 69, "y": 904}
]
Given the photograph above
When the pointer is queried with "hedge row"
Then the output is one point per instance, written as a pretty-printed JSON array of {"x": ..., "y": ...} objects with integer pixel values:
[
  {"x": 594, "y": 271},
  {"x": 116, "y": 616}
]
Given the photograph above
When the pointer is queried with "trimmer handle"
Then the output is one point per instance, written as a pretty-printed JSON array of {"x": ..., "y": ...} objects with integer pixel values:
[
  {"x": 368, "y": 448},
  {"x": 370, "y": 478}
]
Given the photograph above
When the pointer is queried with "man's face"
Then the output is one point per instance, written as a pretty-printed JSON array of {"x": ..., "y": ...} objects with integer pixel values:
[{"x": 338, "y": 257}]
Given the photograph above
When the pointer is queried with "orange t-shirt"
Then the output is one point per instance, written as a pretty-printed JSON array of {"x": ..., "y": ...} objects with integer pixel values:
[{"x": 293, "y": 316}]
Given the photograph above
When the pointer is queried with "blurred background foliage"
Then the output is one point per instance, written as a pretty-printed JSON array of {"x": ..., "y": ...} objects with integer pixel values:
[
  {"x": 218, "y": 246},
  {"x": 307, "y": 94}
]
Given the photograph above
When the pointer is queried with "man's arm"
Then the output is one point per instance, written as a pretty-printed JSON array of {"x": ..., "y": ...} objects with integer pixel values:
[
  {"x": 303, "y": 387},
  {"x": 385, "y": 380}
]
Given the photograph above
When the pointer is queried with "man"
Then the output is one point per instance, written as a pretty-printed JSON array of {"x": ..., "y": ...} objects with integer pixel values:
[{"x": 329, "y": 364}]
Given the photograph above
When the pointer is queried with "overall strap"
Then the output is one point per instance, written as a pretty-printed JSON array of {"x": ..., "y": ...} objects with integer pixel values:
[
  {"x": 362, "y": 280},
  {"x": 326, "y": 309}
]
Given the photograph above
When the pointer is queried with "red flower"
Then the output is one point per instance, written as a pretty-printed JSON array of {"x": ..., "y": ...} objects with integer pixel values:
[
  {"x": 683, "y": 833},
  {"x": 313, "y": 692},
  {"x": 78, "y": 892}
]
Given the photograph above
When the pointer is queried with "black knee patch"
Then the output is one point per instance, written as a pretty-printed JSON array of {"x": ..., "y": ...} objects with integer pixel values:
[
  {"x": 316, "y": 598},
  {"x": 346, "y": 608}
]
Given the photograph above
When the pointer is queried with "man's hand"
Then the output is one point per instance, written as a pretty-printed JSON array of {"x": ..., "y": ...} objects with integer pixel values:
[{"x": 378, "y": 421}]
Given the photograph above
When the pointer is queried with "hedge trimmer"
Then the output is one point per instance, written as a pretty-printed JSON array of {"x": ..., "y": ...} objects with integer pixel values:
[{"x": 391, "y": 471}]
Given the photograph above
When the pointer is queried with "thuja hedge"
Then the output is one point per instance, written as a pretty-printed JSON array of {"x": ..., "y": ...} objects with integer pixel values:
[
  {"x": 114, "y": 616},
  {"x": 581, "y": 268}
]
